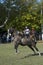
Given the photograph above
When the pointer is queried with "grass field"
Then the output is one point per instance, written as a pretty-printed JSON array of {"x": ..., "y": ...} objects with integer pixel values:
[{"x": 8, "y": 56}]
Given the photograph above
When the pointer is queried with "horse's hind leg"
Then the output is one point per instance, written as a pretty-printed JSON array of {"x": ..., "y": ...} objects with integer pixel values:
[
  {"x": 32, "y": 49},
  {"x": 37, "y": 49}
]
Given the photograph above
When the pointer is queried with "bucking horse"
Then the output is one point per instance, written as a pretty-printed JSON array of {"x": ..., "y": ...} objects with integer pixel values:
[{"x": 22, "y": 40}]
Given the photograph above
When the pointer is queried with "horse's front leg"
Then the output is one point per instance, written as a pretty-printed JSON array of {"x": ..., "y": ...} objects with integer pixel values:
[{"x": 16, "y": 47}]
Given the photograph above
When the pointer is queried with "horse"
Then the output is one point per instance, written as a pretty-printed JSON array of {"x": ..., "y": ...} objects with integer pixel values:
[{"x": 22, "y": 40}]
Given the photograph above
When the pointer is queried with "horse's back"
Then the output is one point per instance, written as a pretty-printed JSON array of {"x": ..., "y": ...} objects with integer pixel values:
[{"x": 24, "y": 40}]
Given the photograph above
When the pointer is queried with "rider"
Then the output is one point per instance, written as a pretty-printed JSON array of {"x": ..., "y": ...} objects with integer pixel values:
[
  {"x": 34, "y": 34},
  {"x": 26, "y": 32}
]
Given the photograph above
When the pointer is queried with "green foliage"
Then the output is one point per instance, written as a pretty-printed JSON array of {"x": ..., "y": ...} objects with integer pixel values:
[
  {"x": 2, "y": 14},
  {"x": 24, "y": 13}
]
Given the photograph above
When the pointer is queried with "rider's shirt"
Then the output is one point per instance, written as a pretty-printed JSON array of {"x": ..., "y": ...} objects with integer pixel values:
[{"x": 27, "y": 31}]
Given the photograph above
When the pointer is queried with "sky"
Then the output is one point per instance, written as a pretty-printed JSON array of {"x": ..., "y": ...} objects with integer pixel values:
[
  {"x": 38, "y": 0},
  {"x": 2, "y": 1}
]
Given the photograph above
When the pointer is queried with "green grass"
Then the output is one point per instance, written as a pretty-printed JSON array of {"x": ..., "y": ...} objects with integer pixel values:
[{"x": 8, "y": 56}]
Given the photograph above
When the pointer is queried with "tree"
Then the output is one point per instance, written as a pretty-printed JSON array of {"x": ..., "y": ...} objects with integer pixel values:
[{"x": 22, "y": 13}]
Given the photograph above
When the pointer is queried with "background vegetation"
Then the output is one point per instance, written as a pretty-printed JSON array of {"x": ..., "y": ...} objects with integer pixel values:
[{"x": 21, "y": 13}]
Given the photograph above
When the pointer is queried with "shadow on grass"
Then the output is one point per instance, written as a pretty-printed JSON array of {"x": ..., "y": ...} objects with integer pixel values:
[{"x": 32, "y": 55}]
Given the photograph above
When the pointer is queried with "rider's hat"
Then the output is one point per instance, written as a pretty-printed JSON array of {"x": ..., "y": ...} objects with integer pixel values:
[
  {"x": 32, "y": 28},
  {"x": 26, "y": 27}
]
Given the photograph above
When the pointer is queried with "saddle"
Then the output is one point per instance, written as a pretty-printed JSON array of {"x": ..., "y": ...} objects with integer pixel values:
[{"x": 25, "y": 40}]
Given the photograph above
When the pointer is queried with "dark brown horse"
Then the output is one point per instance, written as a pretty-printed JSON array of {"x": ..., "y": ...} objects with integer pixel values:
[{"x": 24, "y": 41}]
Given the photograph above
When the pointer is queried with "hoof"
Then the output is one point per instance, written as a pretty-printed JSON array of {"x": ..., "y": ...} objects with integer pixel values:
[
  {"x": 39, "y": 53},
  {"x": 17, "y": 52}
]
